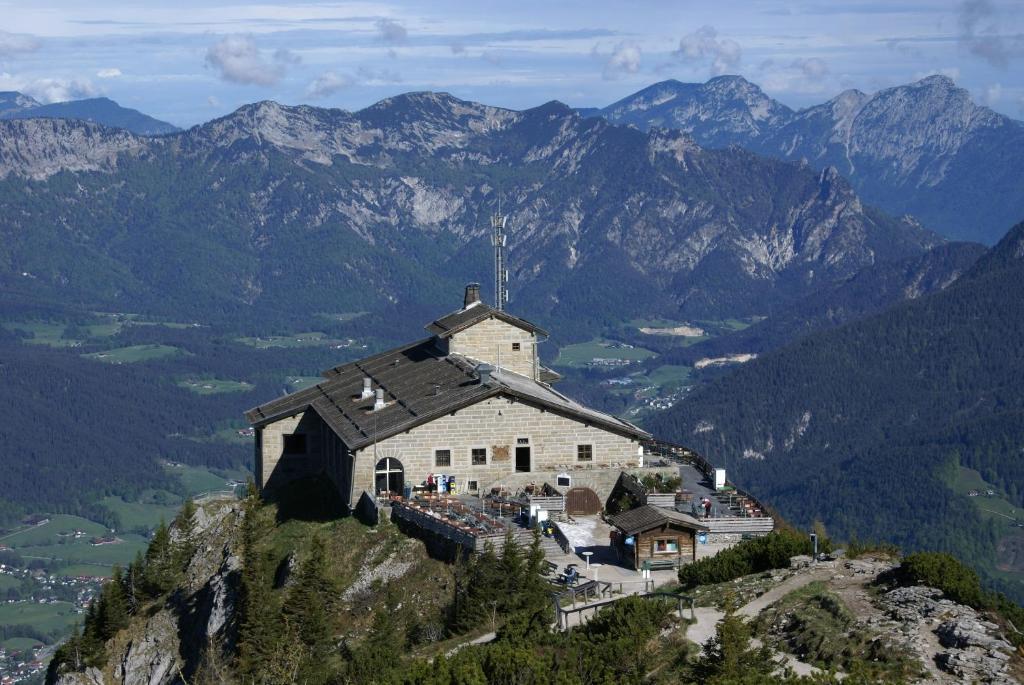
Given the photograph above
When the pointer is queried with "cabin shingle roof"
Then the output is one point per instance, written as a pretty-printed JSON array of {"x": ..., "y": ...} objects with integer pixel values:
[
  {"x": 420, "y": 383},
  {"x": 646, "y": 517},
  {"x": 461, "y": 319}
]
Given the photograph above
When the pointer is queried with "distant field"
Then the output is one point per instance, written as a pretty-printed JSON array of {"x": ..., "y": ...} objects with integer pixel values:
[
  {"x": 293, "y": 383},
  {"x": 42, "y": 332},
  {"x": 81, "y": 552},
  {"x": 213, "y": 386},
  {"x": 343, "y": 317},
  {"x": 307, "y": 339},
  {"x": 134, "y": 353},
  {"x": 7, "y": 582},
  {"x": 669, "y": 374},
  {"x": 19, "y": 644},
  {"x": 45, "y": 617},
  {"x": 580, "y": 354},
  {"x": 50, "y": 533},
  {"x": 199, "y": 480},
  {"x": 135, "y": 514}
]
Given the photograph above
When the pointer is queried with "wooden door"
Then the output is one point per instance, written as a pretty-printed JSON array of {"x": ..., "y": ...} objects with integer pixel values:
[{"x": 582, "y": 501}]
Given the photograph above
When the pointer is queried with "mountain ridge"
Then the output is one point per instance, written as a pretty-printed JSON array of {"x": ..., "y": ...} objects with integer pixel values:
[
  {"x": 922, "y": 148},
  {"x": 100, "y": 110},
  {"x": 404, "y": 181}
]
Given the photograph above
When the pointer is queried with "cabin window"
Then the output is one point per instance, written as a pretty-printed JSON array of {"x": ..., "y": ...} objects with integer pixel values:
[
  {"x": 295, "y": 443},
  {"x": 478, "y": 456},
  {"x": 666, "y": 546},
  {"x": 584, "y": 453},
  {"x": 442, "y": 457},
  {"x": 515, "y": 347}
]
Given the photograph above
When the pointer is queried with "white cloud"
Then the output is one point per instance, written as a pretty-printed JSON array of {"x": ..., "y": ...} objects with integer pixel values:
[
  {"x": 624, "y": 59},
  {"x": 993, "y": 93},
  {"x": 328, "y": 83},
  {"x": 813, "y": 69},
  {"x": 950, "y": 72},
  {"x": 238, "y": 59},
  {"x": 980, "y": 34},
  {"x": 14, "y": 43},
  {"x": 704, "y": 44},
  {"x": 109, "y": 73},
  {"x": 378, "y": 76},
  {"x": 60, "y": 90},
  {"x": 391, "y": 32}
]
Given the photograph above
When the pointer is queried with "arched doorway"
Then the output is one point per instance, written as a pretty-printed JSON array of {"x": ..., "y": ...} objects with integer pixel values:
[
  {"x": 390, "y": 476},
  {"x": 582, "y": 501}
]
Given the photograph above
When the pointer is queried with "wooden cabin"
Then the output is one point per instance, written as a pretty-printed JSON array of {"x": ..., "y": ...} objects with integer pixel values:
[{"x": 656, "y": 535}]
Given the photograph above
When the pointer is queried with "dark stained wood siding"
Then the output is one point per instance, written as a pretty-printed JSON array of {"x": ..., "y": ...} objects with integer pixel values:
[{"x": 646, "y": 541}]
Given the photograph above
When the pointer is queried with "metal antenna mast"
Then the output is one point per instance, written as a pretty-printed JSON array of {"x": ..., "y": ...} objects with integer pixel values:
[{"x": 498, "y": 239}]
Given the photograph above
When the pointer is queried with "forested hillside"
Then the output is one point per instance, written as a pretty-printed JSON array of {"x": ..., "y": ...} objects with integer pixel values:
[{"x": 875, "y": 426}]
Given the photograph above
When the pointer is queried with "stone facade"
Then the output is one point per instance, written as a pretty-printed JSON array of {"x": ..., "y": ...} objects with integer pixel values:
[
  {"x": 496, "y": 425},
  {"x": 494, "y": 341}
]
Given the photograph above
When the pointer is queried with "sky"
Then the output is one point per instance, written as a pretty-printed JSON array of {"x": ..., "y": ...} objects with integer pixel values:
[{"x": 190, "y": 61}]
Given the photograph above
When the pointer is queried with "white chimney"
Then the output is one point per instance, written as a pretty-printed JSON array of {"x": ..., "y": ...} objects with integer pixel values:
[
  {"x": 379, "y": 403},
  {"x": 367, "y": 389}
]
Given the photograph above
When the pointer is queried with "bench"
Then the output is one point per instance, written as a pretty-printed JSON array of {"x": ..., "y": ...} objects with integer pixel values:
[
  {"x": 660, "y": 564},
  {"x": 549, "y": 567}
]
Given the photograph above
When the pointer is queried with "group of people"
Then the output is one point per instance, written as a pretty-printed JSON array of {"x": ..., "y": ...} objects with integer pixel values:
[{"x": 441, "y": 484}]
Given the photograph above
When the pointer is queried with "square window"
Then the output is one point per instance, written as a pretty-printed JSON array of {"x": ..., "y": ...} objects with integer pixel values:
[
  {"x": 666, "y": 546},
  {"x": 442, "y": 457},
  {"x": 295, "y": 443},
  {"x": 472, "y": 486},
  {"x": 515, "y": 347},
  {"x": 478, "y": 456},
  {"x": 584, "y": 453}
]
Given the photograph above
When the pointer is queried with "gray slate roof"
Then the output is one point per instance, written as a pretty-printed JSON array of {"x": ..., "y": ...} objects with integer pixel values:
[
  {"x": 420, "y": 384},
  {"x": 646, "y": 517},
  {"x": 461, "y": 319}
]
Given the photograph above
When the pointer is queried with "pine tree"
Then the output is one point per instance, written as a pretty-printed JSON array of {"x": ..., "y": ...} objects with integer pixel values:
[
  {"x": 309, "y": 607},
  {"x": 112, "y": 614},
  {"x": 259, "y": 630},
  {"x": 158, "y": 572},
  {"x": 728, "y": 656}
]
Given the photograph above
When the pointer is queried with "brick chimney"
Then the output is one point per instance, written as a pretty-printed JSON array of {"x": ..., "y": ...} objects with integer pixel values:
[{"x": 472, "y": 294}]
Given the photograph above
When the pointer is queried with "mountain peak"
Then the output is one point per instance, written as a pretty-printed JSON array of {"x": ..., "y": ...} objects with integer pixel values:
[{"x": 936, "y": 81}]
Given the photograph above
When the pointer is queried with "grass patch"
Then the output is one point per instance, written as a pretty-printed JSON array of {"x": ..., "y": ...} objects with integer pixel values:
[
  {"x": 307, "y": 339},
  {"x": 45, "y": 617},
  {"x": 59, "y": 528},
  {"x": 295, "y": 383},
  {"x": 82, "y": 552},
  {"x": 49, "y": 333},
  {"x": 20, "y": 644},
  {"x": 993, "y": 506},
  {"x": 583, "y": 354},
  {"x": 343, "y": 317},
  {"x": 135, "y": 353},
  {"x": 198, "y": 480},
  {"x": 136, "y": 515},
  {"x": 214, "y": 386},
  {"x": 7, "y": 582}
]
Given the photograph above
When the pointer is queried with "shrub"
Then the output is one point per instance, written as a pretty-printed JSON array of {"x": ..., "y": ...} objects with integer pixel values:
[{"x": 750, "y": 556}]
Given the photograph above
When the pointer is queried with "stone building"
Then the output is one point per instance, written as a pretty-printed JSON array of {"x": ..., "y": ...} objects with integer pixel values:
[{"x": 471, "y": 401}]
